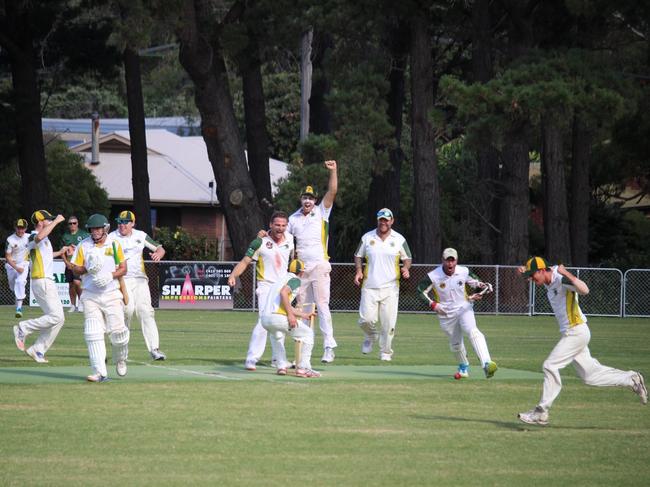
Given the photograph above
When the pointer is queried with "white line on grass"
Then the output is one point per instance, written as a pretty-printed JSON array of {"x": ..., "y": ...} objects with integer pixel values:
[{"x": 216, "y": 375}]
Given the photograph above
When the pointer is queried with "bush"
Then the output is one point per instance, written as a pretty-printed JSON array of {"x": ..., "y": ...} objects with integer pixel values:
[{"x": 180, "y": 245}]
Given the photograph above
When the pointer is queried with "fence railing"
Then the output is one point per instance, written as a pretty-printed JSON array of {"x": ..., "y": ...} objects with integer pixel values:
[{"x": 612, "y": 293}]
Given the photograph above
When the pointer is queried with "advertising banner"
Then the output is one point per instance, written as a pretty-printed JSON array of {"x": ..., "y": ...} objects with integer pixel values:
[
  {"x": 58, "y": 267},
  {"x": 195, "y": 285}
]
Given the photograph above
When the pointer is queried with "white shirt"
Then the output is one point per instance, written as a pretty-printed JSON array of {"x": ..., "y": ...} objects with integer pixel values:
[
  {"x": 41, "y": 256},
  {"x": 274, "y": 299},
  {"x": 17, "y": 247},
  {"x": 563, "y": 297},
  {"x": 451, "y": 291},
  {"x": 272, "y": 258},
  {"x": 312, "y": 233},
  {"x": 105, "y": 250},
  {"x": 132, "y": 246},
  {"x": 382, "y": 258}
]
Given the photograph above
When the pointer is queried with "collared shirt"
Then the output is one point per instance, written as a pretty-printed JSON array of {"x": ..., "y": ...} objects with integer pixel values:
[
  {"x": 132, "y": 246},
  {"x": 272, "y": 259},
  {"x": 451, "y": 291},
  {"x": 312, "y": 233},
  {"x": 41, "y": 257},
  {"x": 563, "y": 297},
  {"x": 111, "y": 254},
  {"x": 382, "y": 258},
  {"x": 17, "y": 247},
  {"x": 274, "y": 300}
]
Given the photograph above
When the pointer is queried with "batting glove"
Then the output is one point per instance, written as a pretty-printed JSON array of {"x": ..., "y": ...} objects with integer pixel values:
[
  {"x": 103, "y": 279},
  {"x": 93, "y": 263}
]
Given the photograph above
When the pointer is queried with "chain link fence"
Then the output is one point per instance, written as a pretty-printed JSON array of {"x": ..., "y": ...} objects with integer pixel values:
[{"x": 612, "y": 293}]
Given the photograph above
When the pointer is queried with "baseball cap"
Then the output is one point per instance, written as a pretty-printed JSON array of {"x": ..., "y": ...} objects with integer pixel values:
[
  {"x": 308, "y": 191},
  {"x": 125, "y": 217},
  {"x": 40, "y": 215},
  {"x": 535, "y": 264},
  {"x": 21, "y": 222},
  {"x": 384, "y": 213},
  {"x": 296, "y": 266},
  {"x": 449, "y": 253}
]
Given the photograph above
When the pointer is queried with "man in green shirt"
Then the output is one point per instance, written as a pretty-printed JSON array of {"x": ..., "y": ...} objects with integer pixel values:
[{"x": 71, "y": 239}]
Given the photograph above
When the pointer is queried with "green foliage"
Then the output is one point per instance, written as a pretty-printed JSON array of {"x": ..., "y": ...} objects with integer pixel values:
[
  {"x": 180, "y": 245},
  {"x": 82, "y": 99}
]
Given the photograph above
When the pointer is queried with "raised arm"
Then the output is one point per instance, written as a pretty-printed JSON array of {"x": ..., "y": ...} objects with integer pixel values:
[
  {"x": 581, "y": 287},
  {"x": 332, "y": 185}
]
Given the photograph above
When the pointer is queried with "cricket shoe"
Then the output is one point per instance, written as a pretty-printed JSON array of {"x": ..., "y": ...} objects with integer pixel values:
[
  {"x": 281, "y": 371},
  {"x": 37, "y": 356},
  {"x": 638, "y": 386},
  {"x": 328, "y": 355},
  {"x": 385, "y": 357},
  {"x": 120, "y": 368},
  {"x": 72, "y": 309},
  {"x": 490, "y": 368},
  {"x": 19, "y": 337},
  {"x": 97, "y": 378},
  {"x": 307, "y": 373},
  {"x": 19, "y": 312},
  {"x": 366, "y": 346},
  {"x": 462, "y": 372},
  {"x": 250, "y": 365},
  {"x": 156, "y": 354},
  {"x": 535, "y": 416}
]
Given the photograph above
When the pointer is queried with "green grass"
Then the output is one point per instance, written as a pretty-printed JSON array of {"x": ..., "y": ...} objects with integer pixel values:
[{"x": 374, "y": 429}]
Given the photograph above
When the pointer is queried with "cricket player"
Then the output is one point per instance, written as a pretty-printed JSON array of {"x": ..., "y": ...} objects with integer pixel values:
[
  {"x": 17, "y": 263},
  {"x": 310, "y": 227},
  {"x": 382, "y": 249},
  {"x": 562, "y": 290},
  {"x": 448, "y": 283},
  {"x": 41, "y": 256},
  {"x": 71, "y": 239},
  {"x": 133, "y": 242},
  {"x": 100, "y": 262},
  {"x": 281, "y": 318},
  {"x": 272, "y": 254}
]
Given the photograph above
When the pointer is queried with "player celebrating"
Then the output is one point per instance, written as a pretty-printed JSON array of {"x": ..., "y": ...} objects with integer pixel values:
[
  {"x": 382, "y": 249},
  {"x": 271, "y": 253},
  {"x": 562, "y": 290},
  {"x": 99, "y": 260},
  {"x": 133, "y": 243},
  {"x": 41, "y": 255},
  {"x": 281, "y": 318},
  {"x": 17, "y": 263},
  {"x": 448, "y": 283},
  {"x": 310, "y": 227}
]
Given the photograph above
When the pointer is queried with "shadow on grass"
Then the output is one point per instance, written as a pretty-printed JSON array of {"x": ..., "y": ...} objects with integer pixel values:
[{"x": 515, "y": 425}]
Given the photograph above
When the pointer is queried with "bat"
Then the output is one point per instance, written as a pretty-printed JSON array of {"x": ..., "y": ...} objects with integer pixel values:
[
  {"x": 125, "y": 295},
  {"x": 306, "y": 308}
]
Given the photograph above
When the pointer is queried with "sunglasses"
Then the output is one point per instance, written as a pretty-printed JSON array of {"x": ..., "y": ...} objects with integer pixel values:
[{"x": 73, "y": 223}]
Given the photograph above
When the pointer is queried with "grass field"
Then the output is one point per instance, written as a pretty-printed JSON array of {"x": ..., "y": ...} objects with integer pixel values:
[{"x": 199, "y": 418}]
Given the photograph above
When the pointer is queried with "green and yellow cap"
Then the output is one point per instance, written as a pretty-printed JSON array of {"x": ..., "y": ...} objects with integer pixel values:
[
  {"x": 296, "y": 266},
  {"x": 535, "y": 264},
  {"x": 125, "y": 216},
  {"x": 40, "y": 215},
  {"x": 308, "y": 191},
  {"x": 21, "y": 223}
]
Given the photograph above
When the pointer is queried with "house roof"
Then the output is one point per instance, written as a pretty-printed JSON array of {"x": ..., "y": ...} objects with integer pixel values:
[{"x": 179, "y": 169}]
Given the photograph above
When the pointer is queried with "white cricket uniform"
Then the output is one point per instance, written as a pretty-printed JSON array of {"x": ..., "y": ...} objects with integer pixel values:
[
  {"x": 46, "y": 295},
  {"x": 272, "y": 261},
  {"x": 311, "y": 232},
  {"x": 137, "y": 284},
  {"x": 103, "y": 306},
  {"x": 17, "y": 248},
  {"x": 275, "y": 321},
  {"x": 451, "y": 293},
  {"x": 573, "y": 347},
  {"x": 380, "y": 289}
]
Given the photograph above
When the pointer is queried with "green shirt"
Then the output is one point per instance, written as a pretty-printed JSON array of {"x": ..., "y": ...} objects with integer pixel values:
[{"x": 74, "y": 238}]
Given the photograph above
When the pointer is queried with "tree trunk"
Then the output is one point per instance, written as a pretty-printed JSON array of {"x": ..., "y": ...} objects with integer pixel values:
[
  {"x": 426, "y": 210},
  {"x": 485, "y": 199},
  {"x": 137, "y": 133},
  {"x": 257, "y": 139},
  {"x": 18, "y": 42},
  {"x": 305, "y": 81},
  {"x": 556, "y": 215},
  {"x": 514, "y": 198},
  {"x": 320, "y": 118},
  {"x": 580, "y": 192},
  {"x": 385, "y": 185},
  {"x": 201, "y": 56}
]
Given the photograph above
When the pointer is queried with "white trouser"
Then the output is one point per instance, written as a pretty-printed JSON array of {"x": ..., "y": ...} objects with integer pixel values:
[
  {"x": 315, "y": 288},
  {"x": 140, "y": 305},
  {"x": 277, "y": 326},
  {"x": 104, "y": 314},
  {"x": 573, "y": 347},
  {"x": 49, "y": 325},
  {"x": 18, "y": 281},
  {"x": 461, "y": 321},
  {"x": 379, "y": 305},
  {"x": 257, "y": 343}
]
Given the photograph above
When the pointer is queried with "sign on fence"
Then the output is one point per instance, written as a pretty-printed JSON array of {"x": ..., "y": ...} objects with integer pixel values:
[{"x": 195, "y": 285}]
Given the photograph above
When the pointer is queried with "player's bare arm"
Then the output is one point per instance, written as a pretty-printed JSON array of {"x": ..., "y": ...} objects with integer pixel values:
[
  {"x": 406, "y": 265},
  {"x": 332, "y": 185},
  {"x": 47, "y": 229},
  {"x": 120, "y": 271},
  {"x": 358, "y": 276},
  {"x": 238, "y": 270},
  {"x": 62, "y": 252},
  {"x": 158, "y": 254},
  {"x": 12, "y": 263},
  {"x": 580, "y": 285}
]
